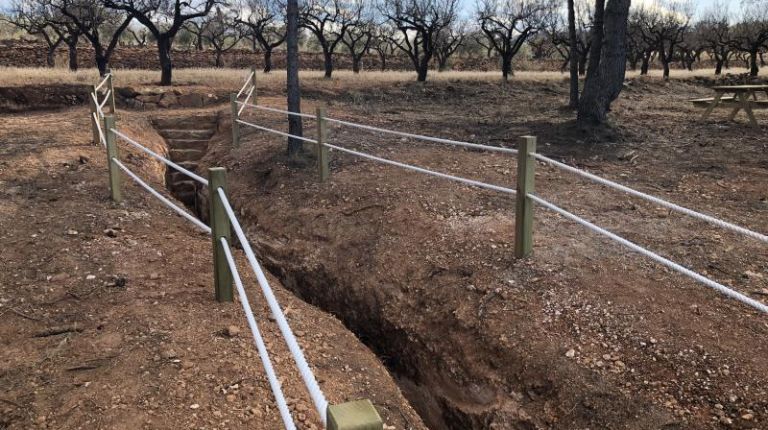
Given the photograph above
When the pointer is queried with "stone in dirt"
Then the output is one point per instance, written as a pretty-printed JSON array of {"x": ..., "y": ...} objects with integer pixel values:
[{"x": 232, "y": 331}]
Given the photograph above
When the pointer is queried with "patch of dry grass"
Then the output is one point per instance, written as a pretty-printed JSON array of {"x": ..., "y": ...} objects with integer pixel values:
[{"x": 234, "y": 78}]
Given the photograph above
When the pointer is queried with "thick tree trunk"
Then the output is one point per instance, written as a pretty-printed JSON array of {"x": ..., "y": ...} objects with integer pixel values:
[
  {"x": 328, "y": 63},
  {"x": 72, "y": 46},
  {"x": 645, "y": 66},
  {"x": 719, "y": 67},
  {"x": 164, "y": 55},
  {"x": 50, "y": 57},
  {"x": 101, "y": 64},
  {"x": 218, "y": 59},
  {"x": 753, "y": 67},
  {"x": 292, "y": 71},
  {"x": 267, "y": 60},
  {"x": 574, "y": 54},
  {"x": 383, "y": 59},
  {"x": 421, "y": 74},
  {"x": 356, "y": 64},
  {"x": 506, "y": 67},
  {"x": 665, "y": 66},
  {"x": 605, "y": 80}
]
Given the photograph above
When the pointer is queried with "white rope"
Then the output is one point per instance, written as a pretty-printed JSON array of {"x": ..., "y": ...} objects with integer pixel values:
[
  {"x": 98, "y": 106},
  {"x": 653, "y": 256},
  {"x": 248, "y": 97},
  {"x": 270, "y": 130},
  {"x": 318, "y": 398},
  {"x": 422, "y": 170},
  {"x": 426, "y": 138},
  {"x": 269, "y": 109},
  {"x": 162, "y": 198},
  {"x": 102, "y": 139},
  {"x": 245, "y": 85},
  {"x": 106, "y": 99},
  {"x": 103, "y": 81},
  {"x": 274, "y": 383},
  {"x": 192, "y": 175},
  {"x": 655, "y": 200}
]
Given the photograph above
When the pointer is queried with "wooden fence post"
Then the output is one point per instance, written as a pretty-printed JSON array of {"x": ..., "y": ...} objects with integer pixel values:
[
  {"x": 356, "y": 415},
  {"x": 220, "y": 227},
  {"x": 253, "y": 82},
  {"x": 94, "y": 110},
  {"x": 111, "y": 86},
  {"x": 323, "y": 155},
  {"x": 114, "y": 172},
  {"x": 235, "y": 117},
  {"x": 526, "y": 164}
]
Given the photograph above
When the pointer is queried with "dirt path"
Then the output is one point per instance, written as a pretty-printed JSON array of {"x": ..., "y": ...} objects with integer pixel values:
[
  {"x": 582, "y": 335},
  {"x": 107, "y": 317}
]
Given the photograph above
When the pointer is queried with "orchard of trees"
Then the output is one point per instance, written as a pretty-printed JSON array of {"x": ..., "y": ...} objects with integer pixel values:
[
  {"x": 427, "y": 33},
  {"x": 597, "y": 39}
]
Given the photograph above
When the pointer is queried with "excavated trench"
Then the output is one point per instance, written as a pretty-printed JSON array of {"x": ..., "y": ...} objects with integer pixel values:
[
  {"x": 454, "y": 380},
  {"x": 187, "y": 139}
]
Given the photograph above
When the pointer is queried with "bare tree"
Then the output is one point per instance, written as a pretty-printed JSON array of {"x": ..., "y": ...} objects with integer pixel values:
[
  {"x": 101, "y": 26},
  {"x": 419, "y": 22},
  {"x": 164, "y": 19},
  {"x": 383, "y": 44},
  {"x": 448, "y": 41},
  {"x": 329, "y": 21},
  {"x": 139, "y": 36},
  {"x": 358, "y": 40},
  {"x": 663, "y": 26},
  {"x": 196, "y": 28},
  {"x": 561, "y": 38},
  {"x": 607, "y": 62},
  {"x": 265, "y": 23},
  {"x": 507, "y": 24},
  {"x": 222, "y": 32},
  {"x": 750, "y": 35},
  {"x": 33, "y": 17}
]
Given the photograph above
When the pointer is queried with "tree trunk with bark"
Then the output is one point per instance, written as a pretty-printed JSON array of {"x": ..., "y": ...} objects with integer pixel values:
[
  {"x": 164, "y": 55},
  {"x": 327, "y": 62},
  {"x": 754, "y": 70},
  {"x": 267, "y": 60},
  {"x": 292, "y": 78},
  {"x": 72, "y": 47},
  {"x": 605, "y": 78},
  {"x": 574, "y": 54}
]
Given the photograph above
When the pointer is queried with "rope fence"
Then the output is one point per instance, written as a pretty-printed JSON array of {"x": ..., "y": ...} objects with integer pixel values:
[
  {"x": 349, "y": 415},
  {"x": 526, "y": 161}
]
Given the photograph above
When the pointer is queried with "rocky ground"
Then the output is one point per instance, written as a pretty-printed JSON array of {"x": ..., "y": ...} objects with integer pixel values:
[{"x": 107, "y": 315}]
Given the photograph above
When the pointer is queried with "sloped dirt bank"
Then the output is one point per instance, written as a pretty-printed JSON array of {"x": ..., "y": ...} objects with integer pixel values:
[
  {"x": 581, "y": 335},
  {"x": 107, "y": 316}
]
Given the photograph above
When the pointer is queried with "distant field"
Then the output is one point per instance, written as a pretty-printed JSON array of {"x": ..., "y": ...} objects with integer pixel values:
[{"x": 232, "y": 78}]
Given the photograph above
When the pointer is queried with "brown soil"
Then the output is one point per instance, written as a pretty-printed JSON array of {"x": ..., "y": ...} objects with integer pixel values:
[
  {"x": 422, "y": 269},
  {"x": 107, "y": 316}
]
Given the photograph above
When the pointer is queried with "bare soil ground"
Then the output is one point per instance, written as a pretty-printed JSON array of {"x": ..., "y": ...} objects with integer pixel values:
[
  {"x": 582, "y": 335},
  {"x": 107, "y": 316}
]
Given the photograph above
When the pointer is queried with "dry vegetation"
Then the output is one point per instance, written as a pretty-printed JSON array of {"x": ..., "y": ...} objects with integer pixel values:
[{"x": 232, "y": 78}]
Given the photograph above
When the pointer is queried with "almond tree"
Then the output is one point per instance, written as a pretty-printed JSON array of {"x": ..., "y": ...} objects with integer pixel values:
[
  {"x": 750, "y": 35},
  {"x": 418, "y": 24},
  {"x": 448, "y": 42},
  {"x": 358, "y": 40},
  {"x": 31, "y": 17},
  {"x": 329, "y": 21},
  {"x": 101, "y": 26},
  {"x": 264, "y": 22},
  {"x": 221, "y": 32},
  {"x": 507, "y": 24},
  {"x": 663, "y": 26},
  {"x": 164, "y": 19},
  {"x": 383, "y": 44}
]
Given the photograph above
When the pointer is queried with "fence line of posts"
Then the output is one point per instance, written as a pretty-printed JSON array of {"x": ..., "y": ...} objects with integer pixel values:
[
  {"x": 351, "y": 415},
  {"x": 526, "y": 199}
]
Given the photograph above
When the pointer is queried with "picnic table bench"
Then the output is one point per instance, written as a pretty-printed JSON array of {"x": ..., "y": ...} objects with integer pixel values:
[{"x": 740, "y": 100}]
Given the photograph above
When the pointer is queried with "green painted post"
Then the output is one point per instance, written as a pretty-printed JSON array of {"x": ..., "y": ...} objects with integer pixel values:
[
  {"x": 111, "y": 87},
  {"x": 323, "y": 155},
  {"x": 526, "y": 163},
  {"x": 94, "y": 121},
  {"x": 356, "y": 415},
  {"x": 253, "y": 82},
  {"x": 114, "y": 171},
  {"x": 220, "y": 227},
  {"x": 235, "y": 117}
]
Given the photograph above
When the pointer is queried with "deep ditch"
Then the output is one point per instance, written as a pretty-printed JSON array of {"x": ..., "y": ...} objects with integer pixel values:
[
  {"x": 463, "y": 383},
  {"x": 317, "y": 287}
]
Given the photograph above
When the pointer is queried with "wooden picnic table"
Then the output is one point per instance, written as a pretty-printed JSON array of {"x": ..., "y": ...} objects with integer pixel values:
[{"x": 740, "y": 100}]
